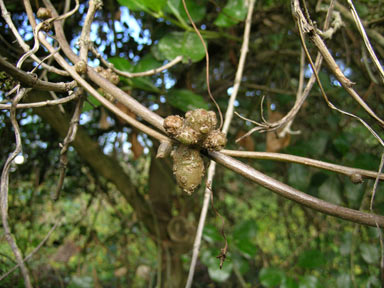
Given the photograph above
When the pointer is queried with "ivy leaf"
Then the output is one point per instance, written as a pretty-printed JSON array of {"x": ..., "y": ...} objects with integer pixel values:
[
  {"x": 370, "y": 253},
  {"x": 121, "y": 64},
  {"x": 234, "y": 12},
  {"x": 185, "y": 100},
  {"x": 133, "y": 5},
  {"x": 330, "y": 191},
  {"x": 346, "y": 244},
  {"x": 298, "y": 176},
  {"x": 211, "y": 235},
  {"x": 311, "y": 259},
  {"x": 208, "y": 258},
  {"x": 309, "y": 282},
  {"x": 185, "y": 44},
  {"x": 271, "y": 277},
  {"x": 220, "y": 275},
  {"x": 242, "y": 235},
  {"x": 90, "y": 104},
  {"x": 143, "y": 5},
  {"x": 344, "y": 280},
  {"x": 146, "y": 63},
  {"x": 196, "y": 9}
]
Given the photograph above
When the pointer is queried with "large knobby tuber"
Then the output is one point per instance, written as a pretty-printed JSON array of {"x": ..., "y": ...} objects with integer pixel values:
[{"x": 197, "y": 131}]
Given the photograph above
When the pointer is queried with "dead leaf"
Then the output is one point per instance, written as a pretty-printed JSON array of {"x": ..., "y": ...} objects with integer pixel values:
[
  {"x": 65, "y": 252},
  {"x": 104, "y": 123},
  {"x": 136, "y": 148},
  {"x": 126, "y": 110},
  {"x": 247, "y": 143},
  {"x": 274, "y": 143}
]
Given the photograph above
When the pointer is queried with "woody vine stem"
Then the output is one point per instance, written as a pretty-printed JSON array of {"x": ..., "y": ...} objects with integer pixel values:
[{"x": 157, "y": 129}]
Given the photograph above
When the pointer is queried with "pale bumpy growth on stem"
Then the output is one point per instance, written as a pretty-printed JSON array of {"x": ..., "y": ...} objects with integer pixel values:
[{"x": 197, "y": 131}]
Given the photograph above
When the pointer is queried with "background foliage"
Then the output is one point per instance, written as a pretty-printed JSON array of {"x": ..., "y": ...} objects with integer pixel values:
[{"x": 106, "y": 241}]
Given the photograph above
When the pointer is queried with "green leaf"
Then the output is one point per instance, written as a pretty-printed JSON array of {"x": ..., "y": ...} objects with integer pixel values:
[
  {"x": 185, "y": 44},
  {"x": 240, "y": 263},
  {"x": 143, "y": 5},
  {"x": 289, "y": 283},
  {"x": 311, "y": 259},
  {"x": 121, "y": 64},
  {"x": 298, "y": 176},
  {"x": 353, "y": 192},
  {"x": 196, "y": 9},
  {"x": 344, "y": 281},
  {"x": 220, "y": 275},
  {"x": 185, "y": 100},
  {"x": 309, "y": 282},
  {"x": 211, "y": 234},
  {"x": 330, "y": 191},
  {"x": 346, "y": 244},
  {"x": 342, "y": 142},
  {"x": 245, "y": 230},
  {"x": 234, "y": 12},
  {"x": 246, "y": 247},
  {"x": 143, "y": 83},
  {"x": 90, "y": 104},
  {"x": 370, "y": 253},
  {"x": 373, "y": 282},
  {"x": 242, "y": 235},
  {"x": 208, "y": 258},
  {"x": 271, "y": 277},
  {"x": 147, "y": 62}
]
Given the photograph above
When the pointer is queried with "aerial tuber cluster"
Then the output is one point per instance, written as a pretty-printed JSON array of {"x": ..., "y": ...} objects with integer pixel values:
[
  {"x": 194, "y": 132},
  {"x": 197, "y": 129}
]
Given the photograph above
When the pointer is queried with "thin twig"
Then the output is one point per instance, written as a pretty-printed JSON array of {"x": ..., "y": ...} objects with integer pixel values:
[
  {"x": 7, "y": 17},
  {"x": 71, "y": 134},
  {"x": 101, "y": 99},
  {"x": 240, "y": 68},
  {"x": 305, "y": 27},
  {"x": 348, "y": 171},
  {"x": 212, "y": 165},
  {"x": 34, "y": 251},
  {"x": 31, "y": 80},
  {"x": 93, "y": 6},
  {"x": 4, "y": 189},
  {"x": 377, "y": 225},
  {"x": 138, "y": 74},
  {"x": 361, "y": 29},
  {"x": 36, "y": 31},
  {"x": 207, "y": 63},
  {"x": 157, "y": 121},
  {"x": 122, "y": 96},
  {"x": 293, "y": 194},
  {"x": 55, "y": 102},
  {"x": 299, "y": 100}
]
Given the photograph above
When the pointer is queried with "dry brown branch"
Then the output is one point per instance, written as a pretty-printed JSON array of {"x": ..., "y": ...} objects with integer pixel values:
[
  {"x": 60, "y": 101},
  {"x": 4, "y": 189},
  {"x": 71, "y": 134},
  {"x": 84, "y": 41},
  {"x": 138, "y": 74},
  {"x": 348, "y": 171},
  {"x": 306, "y": 27},
  {"x": 32, "y": 81},
  {"x": 225, "y": 128},
  {"x": 7, "y": 17},
  {"x": 157, "y": 121},
  {"x": 296, "y": 195},
  {"x": 361, "y": 29}
]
